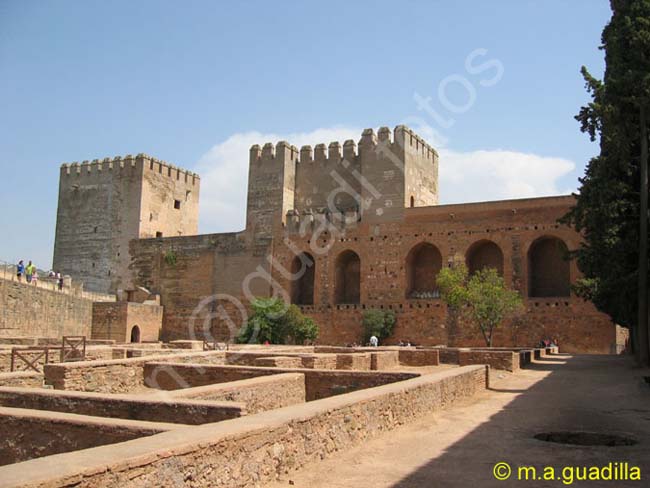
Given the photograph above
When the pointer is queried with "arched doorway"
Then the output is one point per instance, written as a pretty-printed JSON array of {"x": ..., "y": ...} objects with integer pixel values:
[
  {"x": 303, "y": 268},
  {"x": 348, "y": 278},
  {"x": 548, "y": 268},
  {"x": 484, "y": 254},
  {"x": 135, "y": 334},
  {"x": 423, "y": 263}
]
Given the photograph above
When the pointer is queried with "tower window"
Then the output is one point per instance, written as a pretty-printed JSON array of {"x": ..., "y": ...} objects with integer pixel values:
[
  {"x": 158, "y": 234},
  {"x": 95, "y": 230},
  {"x": 412, "y": 202},
  {"x": 177, "y": 204}
]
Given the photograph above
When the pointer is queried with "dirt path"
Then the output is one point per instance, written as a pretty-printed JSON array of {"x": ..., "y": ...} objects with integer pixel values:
[{"x": 459, "y": 447}]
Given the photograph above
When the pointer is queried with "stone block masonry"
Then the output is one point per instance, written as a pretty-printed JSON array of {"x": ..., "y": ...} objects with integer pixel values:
[
  {"x": 258, "y": 394},
  {"x": 129, "y": 407},
  {"x": 252, "y": 450},
  {"x": 115, "y": 376},
  {"x": 105, "y": 204},
  {"x": 319, "y": 384},
  {"x": 28, "y": 434},
  {"x": 37, "y": 312}
]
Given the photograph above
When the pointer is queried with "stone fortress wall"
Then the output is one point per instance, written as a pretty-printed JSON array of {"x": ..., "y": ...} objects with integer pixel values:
[{"x": 367, "y": 217}]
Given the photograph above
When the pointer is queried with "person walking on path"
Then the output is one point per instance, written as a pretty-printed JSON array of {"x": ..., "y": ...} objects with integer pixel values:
[
  {"x": 29, "y": 271},
  {"x": 35, "y": 277},
  {"x": 20, "y": 270}
]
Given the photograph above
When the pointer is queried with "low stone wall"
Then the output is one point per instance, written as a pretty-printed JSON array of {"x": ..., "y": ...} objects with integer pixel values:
[
  {"x": 29, "y": 434},
  {"x": 22, "y": 379},
  {"x": 280, "y": 362},
  {"x": 116, "y": 376},
  {"x": 419, "y": 357},
  {"x": 448, "y": 355},
  {"x": 319, "y": 383},
  {"x": 319, "y": 361},
  {"x": 384, "y": 360},
  {"x": 506, "y": 360},
  {"x": 253, "y": 450},
  {"x": 353, "y": 361},
  {"x": 122, "y": 407},
  {"x": 258, "y": 394}
]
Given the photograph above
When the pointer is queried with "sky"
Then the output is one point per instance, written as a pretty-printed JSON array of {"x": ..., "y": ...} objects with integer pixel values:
[{"x": 492, "y": 85}]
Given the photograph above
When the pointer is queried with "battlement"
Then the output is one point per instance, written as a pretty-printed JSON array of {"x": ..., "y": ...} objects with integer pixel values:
[
  {"x": 141, "y": 161},
  {"x": 335, "y": 152}
]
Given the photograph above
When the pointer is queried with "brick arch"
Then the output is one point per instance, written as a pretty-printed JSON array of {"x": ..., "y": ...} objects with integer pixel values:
[
  {"x": 347, "y": 278},
  {"x": 548, "y": 268},
  {"x": 303, "y": 269},
  {"x": 423, "y": 263},
  {"x": 484, "y": 254}
]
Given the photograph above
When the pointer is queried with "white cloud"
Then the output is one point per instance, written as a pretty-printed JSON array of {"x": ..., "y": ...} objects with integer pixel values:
[
  {"x": 498, "y": 174},
  {"x": 464, "y": 176}
]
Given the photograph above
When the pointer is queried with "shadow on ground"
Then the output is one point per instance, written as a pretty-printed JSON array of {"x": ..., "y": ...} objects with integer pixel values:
[{"x": 600, "y": 394}]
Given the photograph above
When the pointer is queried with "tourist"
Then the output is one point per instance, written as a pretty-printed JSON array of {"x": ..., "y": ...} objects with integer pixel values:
[
  {"x": 59, "y": 280},
  {"x": 20, "y": 270},
  {"x": 374, "y": 342},
  {"x": 29, "y": 271},
  {"x": 35, "y": 277}
]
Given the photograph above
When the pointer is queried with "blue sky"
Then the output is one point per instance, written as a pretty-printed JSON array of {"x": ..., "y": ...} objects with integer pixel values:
[{"x": 196, "y": 82}]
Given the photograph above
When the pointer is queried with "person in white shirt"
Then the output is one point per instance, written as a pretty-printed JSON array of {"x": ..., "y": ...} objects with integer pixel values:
[{"x": 374, "y": 342}]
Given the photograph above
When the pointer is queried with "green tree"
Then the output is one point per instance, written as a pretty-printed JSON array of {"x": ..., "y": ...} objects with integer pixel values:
[
  {"x": 379, "y": 323},
  {"x": 607, "y": 210},
  {"x": 273, "y": 321},
  {"x": 483, "y": 298}
]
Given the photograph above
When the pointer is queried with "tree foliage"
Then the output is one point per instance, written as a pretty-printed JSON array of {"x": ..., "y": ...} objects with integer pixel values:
[
  {"x": 483, "y": 298},
  {"x": 379, "y": 323},
  {"x": 607, "y": 205},
  {"x": 274, "y": 321}
]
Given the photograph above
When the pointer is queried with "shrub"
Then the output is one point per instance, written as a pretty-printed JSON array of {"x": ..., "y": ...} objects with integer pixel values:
[
  {"x": 278, "y": 323},
  {"x": 379, "y": 323}
]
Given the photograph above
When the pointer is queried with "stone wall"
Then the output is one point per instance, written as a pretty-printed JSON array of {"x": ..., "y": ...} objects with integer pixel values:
[
  {"x": 115, "y": 376},
  {"x": 29, "y": 434},
  {"x": 251, "y": 451},
  {"x": 258, "y": 394},
  {"x": 318, "y": 383},
  {"x": 131, "y": 407},
  {"x": 27, "y": 310},
  {"x": 23, "y": 379},
  {"x": 506, "y": 360},
  {"x": 117, "y": 320}
]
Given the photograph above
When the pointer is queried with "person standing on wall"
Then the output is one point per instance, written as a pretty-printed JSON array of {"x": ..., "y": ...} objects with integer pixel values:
[
  {"x": 59, "y": 280},
  {"x": 20, "y": 270},
  {"x": 29, "y": 271}
]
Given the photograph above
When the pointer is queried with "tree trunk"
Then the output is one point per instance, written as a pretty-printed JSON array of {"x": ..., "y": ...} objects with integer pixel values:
[{"x": 642, "y": 322}]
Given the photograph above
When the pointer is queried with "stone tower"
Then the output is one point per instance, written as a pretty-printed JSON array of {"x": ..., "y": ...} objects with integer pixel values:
[
  {"x": 103, "y": 205},
  {"x": 373, "y": 181}
]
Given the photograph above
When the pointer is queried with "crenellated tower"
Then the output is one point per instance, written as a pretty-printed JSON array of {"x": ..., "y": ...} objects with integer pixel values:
[
  {"x": 372, "y": 181},
  {"x": 103, "y": 205}
]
